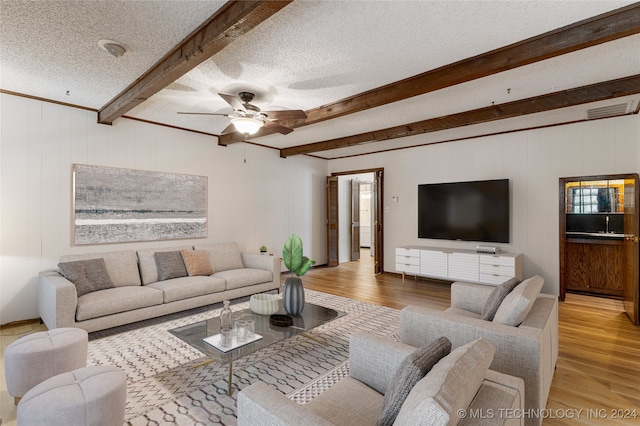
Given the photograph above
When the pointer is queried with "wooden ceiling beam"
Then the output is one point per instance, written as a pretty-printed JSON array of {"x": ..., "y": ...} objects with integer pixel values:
[
  {"x": 603, "y": 28},
  {"x": 233, "y": 20},
  {"x": 563, "y": 99}
]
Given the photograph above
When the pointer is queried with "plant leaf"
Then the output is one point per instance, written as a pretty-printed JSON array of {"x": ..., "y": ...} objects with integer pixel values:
[
  {"x": 292, "y": 253},
  {"x": 306, "y": 264}
]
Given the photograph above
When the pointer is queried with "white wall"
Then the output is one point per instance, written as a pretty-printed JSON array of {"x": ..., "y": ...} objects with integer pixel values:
[
  {"x": 260, "y": 202},
  {"x": 533, "y": 160}
]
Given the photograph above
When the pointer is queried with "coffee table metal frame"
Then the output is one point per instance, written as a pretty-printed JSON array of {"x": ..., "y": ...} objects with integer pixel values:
[{"x": 311, "y": 317}]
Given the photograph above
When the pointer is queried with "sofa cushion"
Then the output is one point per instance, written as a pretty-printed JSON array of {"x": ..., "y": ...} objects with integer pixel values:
[
  {"x": 197, "y": 262},
  {"x": 122, "y": 265},
  {"x": 411, "y": 370},
  {"x": 223, "y": 256},
  {"x": 186, "y": 287},
  {"x": 517, "y": 304},
  {"x": 170, "y": 265},
  {"x": 462, "y": 313},
  {"x": 116, "y": 300},
  {"x": 348, "y": 402},
  {"x": 87, "y": 275},
  {"x": 450, "y": 386},
  {"x": 503, "y": 400},
  {"x": 496, "y": 297},
  {"x": 148, "y": 267},
  {"x": 245, "y": 277}
]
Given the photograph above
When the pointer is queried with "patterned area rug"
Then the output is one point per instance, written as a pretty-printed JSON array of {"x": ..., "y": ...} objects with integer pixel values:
[{"x": 169, "y": 383}]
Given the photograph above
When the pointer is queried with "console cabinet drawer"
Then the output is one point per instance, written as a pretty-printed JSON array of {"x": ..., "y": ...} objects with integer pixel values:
[
  {"x": 505, "y": 271},
  {"x": 408, "y": 269},
  {"x": 405, "y": 252},
  {"x": 493, "y": 279},
  {"x": 496, "y": 260},
  {"x": 407, "y": 260}
]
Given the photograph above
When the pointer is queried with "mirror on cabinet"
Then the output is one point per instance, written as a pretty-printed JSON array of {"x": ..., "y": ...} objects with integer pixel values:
[
  {"x": 596, "y": 196},
  {"x": 595, "y": 206}
]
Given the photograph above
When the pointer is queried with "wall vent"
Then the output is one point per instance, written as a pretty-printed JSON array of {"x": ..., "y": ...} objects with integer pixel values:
[{"x": 610, "y": 110}]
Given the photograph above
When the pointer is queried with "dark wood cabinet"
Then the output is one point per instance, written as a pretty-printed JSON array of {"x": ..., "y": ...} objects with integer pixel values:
[{"x": 595, "y": 266}]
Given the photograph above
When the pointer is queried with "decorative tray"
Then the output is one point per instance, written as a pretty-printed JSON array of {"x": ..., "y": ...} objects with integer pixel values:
[{"x": 215, "y": 342}]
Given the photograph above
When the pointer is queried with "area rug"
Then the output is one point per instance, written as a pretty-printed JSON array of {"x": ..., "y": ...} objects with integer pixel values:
[{"x": 168, "y": 383}]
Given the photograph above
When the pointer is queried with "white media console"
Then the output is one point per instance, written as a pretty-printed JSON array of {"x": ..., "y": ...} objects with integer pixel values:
[{"x": 458, "y": 264}]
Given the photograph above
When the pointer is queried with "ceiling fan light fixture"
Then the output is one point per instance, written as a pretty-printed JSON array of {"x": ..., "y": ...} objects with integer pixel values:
[{"x": 247, "y": 125}]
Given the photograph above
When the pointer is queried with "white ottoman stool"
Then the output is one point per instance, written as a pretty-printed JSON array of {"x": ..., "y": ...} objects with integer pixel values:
[
  {"x": 36, "y": 357},
  {"x": 87, "y": 396}
]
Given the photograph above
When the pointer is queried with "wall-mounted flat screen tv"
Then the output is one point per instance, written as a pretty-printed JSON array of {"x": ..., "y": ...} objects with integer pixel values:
[{"x": 465, "y": 211}]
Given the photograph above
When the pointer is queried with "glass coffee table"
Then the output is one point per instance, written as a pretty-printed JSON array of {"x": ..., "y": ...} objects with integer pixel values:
[{"x": 311, "y": 317}]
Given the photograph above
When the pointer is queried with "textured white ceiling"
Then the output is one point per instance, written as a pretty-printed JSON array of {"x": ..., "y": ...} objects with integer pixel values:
[
  {"x": 50, "y": 47},
  {"x": 309, "y": 54}
]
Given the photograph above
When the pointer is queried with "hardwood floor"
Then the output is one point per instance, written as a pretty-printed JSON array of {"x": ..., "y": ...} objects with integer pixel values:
[{"x": 598, "y": 368}]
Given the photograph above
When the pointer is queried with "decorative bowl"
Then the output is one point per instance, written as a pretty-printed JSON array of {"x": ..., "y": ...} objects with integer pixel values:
[
  {"x": 280, "y": 320},
  {"x": 264, "y": 304}
]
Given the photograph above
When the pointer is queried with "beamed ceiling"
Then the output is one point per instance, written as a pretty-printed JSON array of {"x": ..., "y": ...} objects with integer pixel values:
[{"x": 371, "y": 76}]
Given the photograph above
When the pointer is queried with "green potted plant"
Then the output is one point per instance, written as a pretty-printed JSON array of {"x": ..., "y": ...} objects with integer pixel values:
[
  {"x": 263, "y": 249},
  {"x": 298, "y": 265}
]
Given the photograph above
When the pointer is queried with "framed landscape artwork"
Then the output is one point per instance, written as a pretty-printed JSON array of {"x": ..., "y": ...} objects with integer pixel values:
[{"x": 113, "y": 205}]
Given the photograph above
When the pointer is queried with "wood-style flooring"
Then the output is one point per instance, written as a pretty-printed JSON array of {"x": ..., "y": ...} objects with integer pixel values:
[{"x": 597, "y": 379}]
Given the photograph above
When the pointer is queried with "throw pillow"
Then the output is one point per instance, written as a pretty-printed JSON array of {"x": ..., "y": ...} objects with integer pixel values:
[
  {"x": 170, "y": 265},
  {"x": 197, "y": 262},
  {"x": 450, "y": 386},
  {"x": 496, "y": 297},
  {"x": 515, "y": 307},
  {"x": 87, "y": 275},
  {"x": 411, "y": 370}
]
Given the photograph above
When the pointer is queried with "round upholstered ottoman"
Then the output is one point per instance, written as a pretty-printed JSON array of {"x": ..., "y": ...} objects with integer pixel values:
[
  {"x": 93, "y": 395},
  {"x": 39, "y": 356}
]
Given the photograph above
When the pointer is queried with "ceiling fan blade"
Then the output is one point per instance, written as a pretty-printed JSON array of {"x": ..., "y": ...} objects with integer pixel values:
[
  {"x": 278, "y": 127},
  {"x": 203, "y": 113},
  {"x": 289, "y": 114},
  {"x": 233, "y": 101},
  {"x": 229, "y": 129}
]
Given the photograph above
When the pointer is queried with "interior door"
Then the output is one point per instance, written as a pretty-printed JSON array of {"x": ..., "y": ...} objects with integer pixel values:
[
  {"x": 355, "y": 219},
  {"x": 632, "y": 256},
  {"x": 377, "y": 230},
  {"x": 332, "y": 220}
]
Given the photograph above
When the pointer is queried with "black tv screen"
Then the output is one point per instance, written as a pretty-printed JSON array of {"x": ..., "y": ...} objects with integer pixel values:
[{"x": 466, "y": 211}]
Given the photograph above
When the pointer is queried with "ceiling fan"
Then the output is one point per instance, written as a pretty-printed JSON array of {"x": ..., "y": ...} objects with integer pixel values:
[{"x": 248, "y": 119}]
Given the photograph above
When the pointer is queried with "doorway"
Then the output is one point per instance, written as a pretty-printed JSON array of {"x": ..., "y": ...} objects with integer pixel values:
[
  {"x": 599, "y": 227},
  {"x": 354, "y": 217}
]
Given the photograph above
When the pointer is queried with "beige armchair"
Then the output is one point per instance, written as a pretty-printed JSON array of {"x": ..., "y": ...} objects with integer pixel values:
[
  {"x": 457, "y": 390},
  {"x": 528, "y": 350}
]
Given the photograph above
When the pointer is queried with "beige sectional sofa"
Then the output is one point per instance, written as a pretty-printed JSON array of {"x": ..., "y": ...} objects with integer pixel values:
[
  {"x": 137, "y": 292},
  {"x": 527, "y": 348}
]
